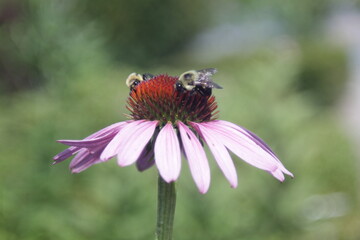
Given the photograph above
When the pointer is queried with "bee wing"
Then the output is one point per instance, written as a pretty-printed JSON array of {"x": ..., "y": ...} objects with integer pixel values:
[
  {"x": 207, "y": 71},
  {"x": 205, "y": 74},
  {"x": 212, "y": 84},
  {"x": 205, "y": 78}
]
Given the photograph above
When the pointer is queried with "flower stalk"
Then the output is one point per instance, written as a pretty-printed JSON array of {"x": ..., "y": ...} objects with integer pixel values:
[{"x": 166, "y": 209}]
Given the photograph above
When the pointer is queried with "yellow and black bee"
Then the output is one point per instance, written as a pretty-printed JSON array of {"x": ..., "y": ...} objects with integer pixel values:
[
  {"x": 197, "y": 81},
  {"x": 135, "y": 78}
]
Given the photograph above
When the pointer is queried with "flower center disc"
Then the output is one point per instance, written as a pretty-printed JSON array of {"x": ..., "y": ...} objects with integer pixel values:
[{"x": 158, "y": 99}]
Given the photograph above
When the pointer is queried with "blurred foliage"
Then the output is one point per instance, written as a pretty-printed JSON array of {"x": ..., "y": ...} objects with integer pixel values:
[
  {"x": 303, "y": 19},
  {"x": 18, "y": 63},
  {"x": 80, "y": 89},
  {"x": 323, "y": 72},
  {"x": 146, "y": 32}
]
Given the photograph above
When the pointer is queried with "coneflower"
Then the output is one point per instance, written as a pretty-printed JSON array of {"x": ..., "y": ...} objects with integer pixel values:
[{"x": 171, "y": 117}]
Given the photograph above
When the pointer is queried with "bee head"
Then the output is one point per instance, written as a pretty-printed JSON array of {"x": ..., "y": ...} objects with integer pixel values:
[
  {"x": 133, "y": 80},
  {"x": 188, "y": 79}
]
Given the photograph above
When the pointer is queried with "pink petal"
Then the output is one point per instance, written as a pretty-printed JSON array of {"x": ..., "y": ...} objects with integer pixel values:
[
  {"x": 88, "y": 143},
  {"x": 145, "y": 160},
  {"x": 65, "y": 154},
  {"x": 106, "y": 130},
  {"x": 243, "y": 147},
  {"x": 278, "y": 174},
  {"x": 113, "y": 147},
  {"x": 250, "y": 134},
  {"x": 86, "y": 157},
  {"x": 86, "y": 162},
  {"x": 196, "y": 157},
  {"x": 257, "y": 141},
  {"x": 78, "y": 158},
  {"x": 220, "y": 153},
  {"x": 133, "y": 140},
  {"x": 167, "y": 153}
]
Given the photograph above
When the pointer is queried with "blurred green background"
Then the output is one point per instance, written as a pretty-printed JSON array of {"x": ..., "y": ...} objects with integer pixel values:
[{"x": 284, "y": 68}]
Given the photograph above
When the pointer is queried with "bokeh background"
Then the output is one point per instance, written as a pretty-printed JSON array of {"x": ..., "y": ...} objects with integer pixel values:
[{"x": 290, "y": 72}]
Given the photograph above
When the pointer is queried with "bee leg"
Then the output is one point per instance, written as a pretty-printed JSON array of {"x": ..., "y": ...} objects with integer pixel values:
[
  {"x": 134, "y": 84},
  {"x": 203, "y": 91}
]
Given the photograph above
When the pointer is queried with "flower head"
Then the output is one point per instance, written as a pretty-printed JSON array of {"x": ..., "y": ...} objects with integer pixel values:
[{"x": 170, "y": 117}]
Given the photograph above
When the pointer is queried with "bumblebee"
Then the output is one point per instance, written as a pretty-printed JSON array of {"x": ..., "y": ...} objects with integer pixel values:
[
  {"x": 134, "y": 79},
  {"x": 197, "y": 81}
]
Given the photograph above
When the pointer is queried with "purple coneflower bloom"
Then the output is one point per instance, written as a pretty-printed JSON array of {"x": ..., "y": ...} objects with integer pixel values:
[{"x": 167, "y": 122}]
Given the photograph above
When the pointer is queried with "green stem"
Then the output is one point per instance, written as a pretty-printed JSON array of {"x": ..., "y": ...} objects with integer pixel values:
[{"x": 166, "y": 209}]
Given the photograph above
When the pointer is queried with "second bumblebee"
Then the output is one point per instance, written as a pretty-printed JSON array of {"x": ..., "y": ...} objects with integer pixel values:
[{"x": 197, "y": 81}]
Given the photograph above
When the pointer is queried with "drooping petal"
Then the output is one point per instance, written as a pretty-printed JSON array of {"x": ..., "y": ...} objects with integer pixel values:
[
  {"x": 167, "y": 153},
  {"x": 145, "y": 160},
  {"x": 113, "y": 127},
  {"x": 65, "y": 154},
  {"x": 97, "y": 137},
  {"x": 88, "y": 143},
  {"x": 246, "y": 148},
  {"x": 278, "y": 174},
  {"x": 79, "y": 157},
  {"x": 246, "y": 151},
  {"x": 133, "y": 140},
  {"x": 250, "y": 134},
  {"x": 83, "y": 153},
  {"x": 256, "y": 140},
  {"x": 195, "y": 154},
  {"x": 113, "y": 147},
  {"x": 259, "y": 142},
  {"x": 87, "y": 161},
  {"x": 220, "y": 153}
]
